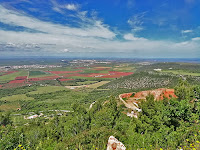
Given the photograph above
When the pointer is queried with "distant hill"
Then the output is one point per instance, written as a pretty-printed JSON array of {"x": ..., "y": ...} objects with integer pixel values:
[{"x": 148, "y": 80}]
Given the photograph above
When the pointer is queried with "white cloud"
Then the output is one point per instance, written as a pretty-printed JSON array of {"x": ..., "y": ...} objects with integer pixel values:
[
  {"x": 131, "y": 37},
  {"x": 186, "y": 31},
  {"x": 196, "y": 39},
  {"x": 95, "y": 29},
  {"x": 61, "y": 7},
  {"x": 71, "y": 7},
  {"x": 136, "y": 22},
  {"x": 94, "y": 36},
  {"x": 66, "y": 50}
]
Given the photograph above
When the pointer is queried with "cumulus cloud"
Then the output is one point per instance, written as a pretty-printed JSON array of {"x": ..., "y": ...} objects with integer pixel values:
[
  {"x": 93, "y": 36},
  {"x": 71, "y": 7},
  {"x": 131, "y": 37},
  {"x": 65, "y": 50}
]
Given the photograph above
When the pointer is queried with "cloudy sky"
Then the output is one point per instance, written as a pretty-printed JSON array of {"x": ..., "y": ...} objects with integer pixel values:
[{"x": 100, "y": 28}]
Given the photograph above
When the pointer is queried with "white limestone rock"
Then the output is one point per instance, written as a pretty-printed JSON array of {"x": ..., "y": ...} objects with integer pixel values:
[{"x": 114, "y": 144}]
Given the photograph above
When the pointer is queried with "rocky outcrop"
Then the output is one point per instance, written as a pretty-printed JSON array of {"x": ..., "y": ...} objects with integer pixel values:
[
  {"x": 132, "y": 99},
  {"x": 114, "y": 144},
  {"x": 158, "y": 94}
]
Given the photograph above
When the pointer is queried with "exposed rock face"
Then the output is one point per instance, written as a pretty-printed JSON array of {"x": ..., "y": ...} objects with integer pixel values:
[
  {"x": 114, "y": 144},
  {"x": 132, "y": 99},
  {"x": 158, "y": 94}
]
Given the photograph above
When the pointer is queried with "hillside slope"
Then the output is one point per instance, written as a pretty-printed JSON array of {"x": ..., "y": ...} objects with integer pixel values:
[{"x": 148, "y": 80}]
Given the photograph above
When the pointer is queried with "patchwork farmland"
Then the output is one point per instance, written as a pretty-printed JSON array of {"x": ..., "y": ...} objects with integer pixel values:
[{"x": 64, "y": 76}]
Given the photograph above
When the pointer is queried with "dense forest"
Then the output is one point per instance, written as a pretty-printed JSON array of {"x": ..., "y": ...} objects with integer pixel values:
[{"x": 168, "y": 124}]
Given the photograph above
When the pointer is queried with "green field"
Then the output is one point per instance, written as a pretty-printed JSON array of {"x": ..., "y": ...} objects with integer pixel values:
[
  {"x": 34, "y": 74},
  {"x": 9, "y": 106},
  {"x": 182, "y": 72},
  {"x": 6, "y": 78},
  {"x": 86, "y": 82},
  {"x": 95, "y": 71},
  {"x": 16, "y": 98},
  {"x": 51, "y": 96},
  {"x": 48, "y": 89},
  {"x": 2, "y": 73},
  {"x": 91, "y": 78},
  {"x": 93, "y": 85},
  {"x": 12, "y": 102},
  {"x": 98, "y": 84}
]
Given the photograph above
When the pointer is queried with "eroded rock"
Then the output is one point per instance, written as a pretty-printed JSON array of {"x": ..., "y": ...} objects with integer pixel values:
[{"x": 114, "y": 144}]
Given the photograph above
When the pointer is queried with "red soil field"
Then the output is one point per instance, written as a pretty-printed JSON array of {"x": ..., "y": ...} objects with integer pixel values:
[
  {"x": 1, "y": 86},
  {"x": 43, "y": 78},
  {"x": 13, "y": 85},
  {"x": 65, "y": 79},
  {"x": 63, "y": 72},
  {"x": 17, "y": 81},
  {"x": 111, "y": 74},
  {"x": 21, "y": 78},
  {"x": 116, "y": 74},
  {"x": 83, "y": 75}
]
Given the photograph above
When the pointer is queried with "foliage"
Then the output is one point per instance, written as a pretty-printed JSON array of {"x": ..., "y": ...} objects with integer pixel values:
[{"x": 168, "y": 124}]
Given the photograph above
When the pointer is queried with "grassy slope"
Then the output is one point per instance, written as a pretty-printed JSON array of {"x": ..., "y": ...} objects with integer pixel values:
[
  {"x": 16, "y": 97},
  {"x": 98, "y": 84},
  {"x": 86, "y": 82},
  {"x": 12, "y": 102},
  {"x": 48, "y": 89},
  {"x": 182, "y": 72},
  {"x": 142, "y": 80}
]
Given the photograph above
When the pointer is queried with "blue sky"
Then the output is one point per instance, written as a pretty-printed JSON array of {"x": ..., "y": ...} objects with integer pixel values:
[{"x": 100, "y": 28}]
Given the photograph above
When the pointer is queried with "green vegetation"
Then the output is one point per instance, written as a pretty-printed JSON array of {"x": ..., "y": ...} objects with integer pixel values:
[
  {"x": 9, "y": 106},
  {"x": 94, "y": 71},
  {"x": 47, "y": 89},
  {"x": 189, "y": 67},
  {"x": 125, "y": 68},
  {"x": 98, "y": 84},
  {"x": 16, "y": 98},
  {"x": 64, "y": 119},
  {"x": 34, "y": 74},
  {"x": 16, "y": 91},
  {"x": 142, "y": 80},
  {"x": 12, "y": 76},
  {"x": 91, "y": 78},
  {"x": 86, "y": 82},
  {"x": 182, "y": 72},
  {"x": 167, "y": 124}
]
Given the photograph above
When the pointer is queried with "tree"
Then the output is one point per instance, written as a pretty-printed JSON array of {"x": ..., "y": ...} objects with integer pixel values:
[
  {"x": 183, "y": 90},
  {"x": 5, "y": 119}
]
